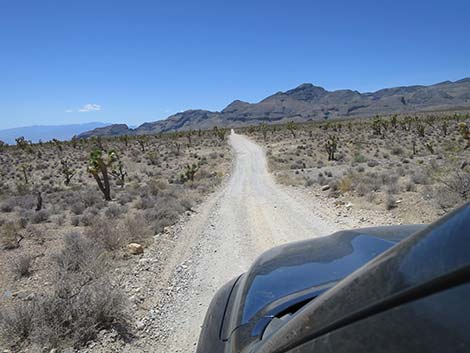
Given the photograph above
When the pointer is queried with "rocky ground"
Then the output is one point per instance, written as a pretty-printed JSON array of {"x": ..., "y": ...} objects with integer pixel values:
[
  {"x": 274, "y": 194},
  {"x": 171, "y": 288}
]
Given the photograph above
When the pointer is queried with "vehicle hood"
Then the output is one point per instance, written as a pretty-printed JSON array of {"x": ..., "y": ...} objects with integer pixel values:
[{"x": 288, "y": 275}]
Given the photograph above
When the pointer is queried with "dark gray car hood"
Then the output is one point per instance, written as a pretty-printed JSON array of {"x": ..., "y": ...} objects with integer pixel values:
[{"x": 297, "y": 272}]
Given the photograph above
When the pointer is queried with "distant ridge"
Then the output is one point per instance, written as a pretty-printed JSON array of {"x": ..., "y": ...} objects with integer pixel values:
[
  {"x": 309, "y": 103},
  {"x": 47, "y": 132}
]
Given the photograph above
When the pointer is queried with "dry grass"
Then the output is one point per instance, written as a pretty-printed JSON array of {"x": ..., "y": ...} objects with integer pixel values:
[
  {"x": 77, "y": 239},
  {"x": 414, "y": 174}
]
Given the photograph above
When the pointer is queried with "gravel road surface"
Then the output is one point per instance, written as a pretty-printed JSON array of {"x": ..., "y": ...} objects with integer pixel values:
[{"x": 248, "y": 216}]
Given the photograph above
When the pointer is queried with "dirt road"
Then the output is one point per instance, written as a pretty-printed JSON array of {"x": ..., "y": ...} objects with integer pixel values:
[{"x": 250, "y": 215}]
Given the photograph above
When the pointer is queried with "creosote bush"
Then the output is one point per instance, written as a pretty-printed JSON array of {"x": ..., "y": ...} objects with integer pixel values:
[
  {"x": 21, "y": 266},
  {"x": 10, "y": 237},
  {"x": 81, "y": 304}
]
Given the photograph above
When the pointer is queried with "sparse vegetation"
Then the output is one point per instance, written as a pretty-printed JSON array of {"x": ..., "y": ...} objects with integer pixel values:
[
  {"x": 393, "y": 163},
  {"x": 139, "y": 199}
]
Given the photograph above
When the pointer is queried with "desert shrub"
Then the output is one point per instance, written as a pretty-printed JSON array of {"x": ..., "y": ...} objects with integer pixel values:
[
  {"x": 75, "y": 221},
  {"x": 322, "y": 180},
  {"x": 309, "y": 182},
  {"x": 298, "y": 164},
  {"x": 145, "y": 202},
  {"x": 25, "y": 202},
  {"x": 396, "y": 151},
  {"x": 401, "y": 171},
  {"x": 135, "y": 229},
  {"x": 124, "y": 198},
  {"x": 371, "y": 196},
  {"x": 76, "y": 253},
  {"x": 187, "y": 203},
  {"x": 410, "y": 186},
  {"x": 22, "y": 188},
  {"x": 106, "y": 233},
  {"x": 345, "y": 184},
  {"x": 166, "y": 212},
  {"x": 359, "y": 158},
  {"x": 444, "y": 199},
  {"x": 372, "y": 163},
  {"x": 16, "y": 324},
  {"x": 59, "y": 220},
  {"x": 203, "y": 173},
  {"x": 89, "y": 216},
  {"x": 454, "y": 187},
  {"x": 24, "y": 218},
  {"x": 77, "y": 208},
  {"x": 92, "y": 198},
  {"x": 6, "y": 207},
  {"x": 420, "y": 177},
  {"x": 9, "y": 236},
  {"x": 97, "y": 307},
  {"x": 363, "y": 188},
  {"x": 114, "y": 211},
  {"x": 376, "y": 181},
  {"x": 40, "y": 216},
  {"x": 390, "y": 202},
  {"x": 21, "y": 266},
  {"x": 79, "y": 316},
  {"x": 157, "y": 185},
  {"x": 58, "y": 321},
  {"x": 392, "y": 187},
  {"x": 334, "y": 185}
]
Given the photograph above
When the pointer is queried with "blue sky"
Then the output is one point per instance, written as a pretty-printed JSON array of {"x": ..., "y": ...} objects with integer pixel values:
[{"x": 139, "y": 60}]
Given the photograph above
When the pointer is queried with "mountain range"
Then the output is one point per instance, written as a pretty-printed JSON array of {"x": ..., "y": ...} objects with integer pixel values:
[
  {"x": 47, "y": 132},
  {"x": 309, "y": 103}
]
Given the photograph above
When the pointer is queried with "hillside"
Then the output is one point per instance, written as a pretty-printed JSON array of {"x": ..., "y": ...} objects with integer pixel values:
[{"x": 308, "y": 102}]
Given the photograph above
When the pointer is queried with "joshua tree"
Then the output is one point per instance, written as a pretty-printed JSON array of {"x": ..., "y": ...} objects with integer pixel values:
[
  {"x": 220, "y": 133},
  {"x": 407, "y": 123},
  {"x": 444, "y": 127},
  {"x": 25, "y": 169},
  {"x": 99, "y": 166},
  {"x": 291, "y": 127},
  {"x": 25, "y": 145},
  {"x": 264, "y": 130},
  {"x": 188, "y": 136},
  {"x": 152, "y": 157},
  {"x": 337, "y": 127},
  {"x": 420, "y": 129},
  {"x": 377, "y": 126},
  {"x": 119, "y": 173},
  {"x": 142, "y": 141},
  {"x": 331, "y": 147},
  {"x": 465, "y": 131},
  {"x": 191, "y": 170},
  {"x": 125, "y": 139},
  {"x": 74, "y": 141},
  {"x": 394, "y": 121},
  {"x": 67, "y": 171},
  {"x": 429, "y": 147},
  {"x": 21, "y": 142},
  {"x": 57, "y": 144},
  {"x": 39, "y": 201},
  {"x": 177, "y": 149}
]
